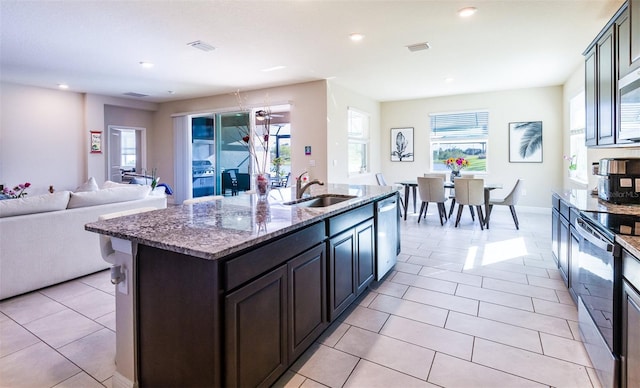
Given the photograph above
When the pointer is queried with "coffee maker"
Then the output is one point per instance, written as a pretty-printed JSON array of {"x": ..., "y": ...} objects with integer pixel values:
[{"x": 619, "y": 180}]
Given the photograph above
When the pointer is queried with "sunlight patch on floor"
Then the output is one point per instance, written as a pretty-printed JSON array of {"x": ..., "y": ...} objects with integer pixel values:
[{"x": 495, "y": 252}]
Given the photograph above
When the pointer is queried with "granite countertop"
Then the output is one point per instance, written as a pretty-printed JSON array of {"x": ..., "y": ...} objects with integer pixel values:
[
  {"x": 214, "y": 229},
  {"x": 584, "y": 200}
]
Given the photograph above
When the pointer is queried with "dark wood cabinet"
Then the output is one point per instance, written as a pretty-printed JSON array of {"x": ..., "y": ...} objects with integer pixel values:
[
  {"x": 365, "y": 255},
  {"x": 634, "y": 17},
  {"x": 630, "y": 357},
  {"x": 256, "y": 331},
  {"x": 607, "y": 88},
  {"x": 563, "y": 254},
  {"x": 591, "y": 97}
]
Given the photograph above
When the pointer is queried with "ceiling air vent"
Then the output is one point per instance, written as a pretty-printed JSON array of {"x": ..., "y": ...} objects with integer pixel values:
[
  {"x": 419, "y": 46},
  {"x": 133, "y": 94},
  {"x": 200, "y": 45}
]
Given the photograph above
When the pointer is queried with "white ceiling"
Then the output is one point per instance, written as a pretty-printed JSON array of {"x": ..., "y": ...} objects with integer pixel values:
[{"x": 96, "y": 46}]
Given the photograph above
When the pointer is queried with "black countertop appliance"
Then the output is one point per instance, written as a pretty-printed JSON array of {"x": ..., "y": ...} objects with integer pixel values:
[{"x": 619, "y": 180}]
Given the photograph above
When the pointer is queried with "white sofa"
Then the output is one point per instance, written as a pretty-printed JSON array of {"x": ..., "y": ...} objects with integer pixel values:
[{"x": 50, "y": 246}]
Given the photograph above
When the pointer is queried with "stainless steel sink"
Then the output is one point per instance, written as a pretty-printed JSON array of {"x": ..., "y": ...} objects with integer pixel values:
[{"x": 322, "y": 200}]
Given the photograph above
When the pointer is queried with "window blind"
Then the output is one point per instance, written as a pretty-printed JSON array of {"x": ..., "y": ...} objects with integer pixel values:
[{"x": 467, "y": 125}]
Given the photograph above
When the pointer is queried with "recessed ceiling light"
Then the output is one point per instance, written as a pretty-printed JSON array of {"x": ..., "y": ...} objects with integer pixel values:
[
  {"x": 274, "y": 68},
  {"x": 200, "y": 45},
  {"x": 63, "y": 86},
  {"x": 146, "y": 65},
  {"x": 467, "y": 11},
  {"x": 419, "y": 46},
  {"x": 356, "y": 37}
]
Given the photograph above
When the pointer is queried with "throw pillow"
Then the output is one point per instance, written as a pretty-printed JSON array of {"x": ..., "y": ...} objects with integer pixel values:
[
  {"x": 34, "y": 204},
  {"x": 110, "y": 184},
  {"x": 90, "y": 185},
  {"x": 110, "y": 195}
]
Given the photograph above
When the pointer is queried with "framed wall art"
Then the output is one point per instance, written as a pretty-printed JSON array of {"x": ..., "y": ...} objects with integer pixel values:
[
  {"x": 96, "y": 142},
  {"x": 525, "y": 142},
  {"x": 402, "y": 144}
]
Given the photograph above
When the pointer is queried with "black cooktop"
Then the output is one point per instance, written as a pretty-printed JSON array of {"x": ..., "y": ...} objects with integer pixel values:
[{"x": 625, "y": 224}]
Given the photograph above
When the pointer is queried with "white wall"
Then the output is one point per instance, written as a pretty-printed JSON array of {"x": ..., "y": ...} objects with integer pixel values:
[
  {"x": 339, "y": 100},
  {"x": 41, "y": 138},
  {"x": 308, "y": 124},
  {"x": 536, "y": 104}
]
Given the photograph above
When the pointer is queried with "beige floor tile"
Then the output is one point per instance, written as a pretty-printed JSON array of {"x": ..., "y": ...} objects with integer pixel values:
[
  {"x": 436, "y": 263},
  {"x": 565, "y": 349},
  {"x": 594, "y": 378},
  {"x": 529, "y": 320},
  {"x": 427, "y": 283},
  {"x": 429, "y": 336},
  {"x": 564, "y": 297},
  {"x": 407, "y": 267},
  {"x": 518, "y": 268},
  {"x": 555, "y": 309},
  {"x": 95, "y": 353},
  {"x": 488, "y": 272},
  {"x": 575, "y": 330},
  {"x": 448, "y": 371},
  {"x": 14, "y": 337},
  {"x": 497, "y": 297},
  {"x": 35, "y": 366},
  {"x": 388, "y": 352},
  {"x": 390, "y": 288},
  {"x": 546, "y": 264},
  {"x": 26, "y": 308},
  {"x": 325, "y": 365},
  {"x": 92, "y": 304},
  {"x": 368, "y": 374},
  {"x": 411, "y": 310},
  {"x": 66, "y": 290},
  {"x": 415, "y": 251},
  {"x": 82, "y": 380},
  {"x": 334, "y": 332},
  {"x": 100, "y": 280},
  {"x": 554, "y": 273},
  {"x": 445, "y": 301},
  {"x": 108, "y": 321},
  {"x": 62, "y": 328},
  {"x": 495, "y": 331},
  {"x": 556, "y": 284},
  {"x": 451, "y": 276},
  {"x": 366, "y": 298},
  {"x": 289, "y": 380},
  {"x": 520, "y": 289},
  {"x": 365, "y": 318},
  {"x": 536, "y": 367},
  {"x": 308, "y": 383}
]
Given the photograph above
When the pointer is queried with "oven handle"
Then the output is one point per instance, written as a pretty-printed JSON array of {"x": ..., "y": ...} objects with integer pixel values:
[{"x": 581, "y": 227}]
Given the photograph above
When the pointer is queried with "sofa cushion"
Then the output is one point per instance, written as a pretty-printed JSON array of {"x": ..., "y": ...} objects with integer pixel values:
[
  {"x": 89, "y": 185},
  {"x": 110, "y": 184},
  {"x": 34, "y": 204},
  {"x": 110, "y": 195}
]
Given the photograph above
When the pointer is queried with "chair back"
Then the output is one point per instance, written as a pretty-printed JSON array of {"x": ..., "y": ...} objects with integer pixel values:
[
  {"x": 442, "y": 175},
  {"x": 380, "y": 179},
  {"x": 431, "y": 189},
  {"x": 191, "y": 201},
  {"x": 514, "y": 196},
  {"x": 469, "y": 191}
]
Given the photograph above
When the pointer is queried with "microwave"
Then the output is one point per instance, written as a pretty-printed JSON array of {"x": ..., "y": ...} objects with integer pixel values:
[{"x": 629, "y": 123}]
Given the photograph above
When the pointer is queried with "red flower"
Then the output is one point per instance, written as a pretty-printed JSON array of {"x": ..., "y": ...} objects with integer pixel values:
[
  {"x": 246, "y": 139},
  {"x": 266, "y": 138}
]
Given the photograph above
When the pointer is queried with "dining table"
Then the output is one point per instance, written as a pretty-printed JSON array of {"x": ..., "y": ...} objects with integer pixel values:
[{"x": 412, "y": 185}]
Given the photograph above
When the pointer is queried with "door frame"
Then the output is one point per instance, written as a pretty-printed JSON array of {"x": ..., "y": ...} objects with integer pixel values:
[{"x": 143, "y": 147}]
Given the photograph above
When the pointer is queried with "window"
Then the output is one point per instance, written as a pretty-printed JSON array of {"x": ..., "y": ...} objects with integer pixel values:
[
  {"x": 577, "y": 148},
  {"x": 128, "y": 148},
  {"x": 455, "y": 135},
  {"x": 358, "y": 151}
]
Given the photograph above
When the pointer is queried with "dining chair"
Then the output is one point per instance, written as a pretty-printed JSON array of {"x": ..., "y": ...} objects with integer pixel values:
[
  {"x": 383, "y": 182},
  {"x": 470, "y": 192},
  {"x": 191, "y": 201},
  {"x": 452, "y": 194},
  {"x": 510, "y": 200},
  {"x": 432, "y": 190}
]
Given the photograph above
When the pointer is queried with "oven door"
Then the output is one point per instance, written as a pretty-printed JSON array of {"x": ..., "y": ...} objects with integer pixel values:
[{"x": 594, "y": 287}]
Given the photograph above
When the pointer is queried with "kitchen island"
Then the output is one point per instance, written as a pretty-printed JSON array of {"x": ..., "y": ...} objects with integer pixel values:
[{"x": 231, "y": 292}]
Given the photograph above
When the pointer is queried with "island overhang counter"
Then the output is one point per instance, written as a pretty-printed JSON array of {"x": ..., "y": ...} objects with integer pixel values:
[{"x": 231, "y": 292}]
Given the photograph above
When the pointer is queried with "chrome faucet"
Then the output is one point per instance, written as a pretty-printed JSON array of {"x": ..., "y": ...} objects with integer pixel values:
[{"x": 301, "y": 189}]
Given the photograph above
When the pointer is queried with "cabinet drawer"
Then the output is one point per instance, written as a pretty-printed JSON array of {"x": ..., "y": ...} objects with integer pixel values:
[
  {"x": 349, "y": 219},
  {"x": 631, "y": 268},
  {"x": 555, "y": 201},
  {"x": 251, "y": 264}
]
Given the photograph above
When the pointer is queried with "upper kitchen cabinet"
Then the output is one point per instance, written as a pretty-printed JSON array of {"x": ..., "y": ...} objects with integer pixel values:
[
  {"x": 600, "y": 90},
  {"x": 634, "y": 16}
]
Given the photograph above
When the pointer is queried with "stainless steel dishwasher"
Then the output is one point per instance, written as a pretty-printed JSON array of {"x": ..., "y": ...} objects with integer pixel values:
[{"x": 388, "y": 235}]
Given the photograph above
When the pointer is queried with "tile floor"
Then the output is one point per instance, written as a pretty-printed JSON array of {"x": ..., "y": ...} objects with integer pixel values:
[{"x": 462, "y": 308}]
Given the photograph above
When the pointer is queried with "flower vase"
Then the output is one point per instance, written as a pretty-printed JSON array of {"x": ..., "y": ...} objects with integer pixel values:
[
  {"x": 262, "y": 185},
  {"x": 454, "y": 175}
]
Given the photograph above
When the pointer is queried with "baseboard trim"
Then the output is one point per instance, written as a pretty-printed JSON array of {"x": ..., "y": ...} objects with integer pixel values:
[{"x": 119, "y": 381}]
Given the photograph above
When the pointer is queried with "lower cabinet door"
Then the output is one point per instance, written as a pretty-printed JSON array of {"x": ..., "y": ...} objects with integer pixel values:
[
  {"x": 342, "y": 290},
  {"x": 307, "y": 299},
  {"x": 256, "y": 331},
  {"x": 365, "y": 253}
]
